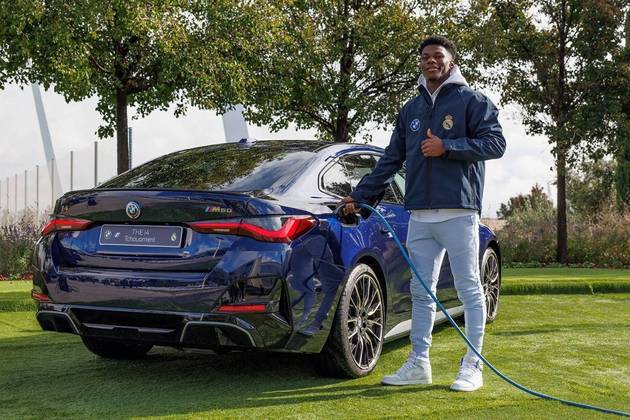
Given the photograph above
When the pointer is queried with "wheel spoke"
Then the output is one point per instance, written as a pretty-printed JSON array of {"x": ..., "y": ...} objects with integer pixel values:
[
  {"x": 372, "y": 311},
  {"x": 370, "y": 353},
  {"x": 366, "y": 291},
  {"x": 356, "y": 330},
  {"x": 378, "y": 339},
  {"x": 353, "y": 302},
  {"x": 372, "y": 297}
]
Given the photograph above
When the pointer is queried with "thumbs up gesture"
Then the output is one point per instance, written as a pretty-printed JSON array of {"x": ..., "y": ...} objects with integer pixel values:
[{"x": 432, "y": 146}]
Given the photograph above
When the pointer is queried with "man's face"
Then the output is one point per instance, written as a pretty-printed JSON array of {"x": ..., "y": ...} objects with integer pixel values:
[{"x": 436, "y": 62}]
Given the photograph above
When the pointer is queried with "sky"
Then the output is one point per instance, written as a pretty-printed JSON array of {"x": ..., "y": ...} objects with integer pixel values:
[{"x": 527, "y": 159}]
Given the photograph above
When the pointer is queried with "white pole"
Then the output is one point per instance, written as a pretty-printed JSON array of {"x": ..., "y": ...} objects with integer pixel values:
[
  {"x": 234, "y": 124},
  {"x": 52, "y": 186},
  {"x": 16, "y": 197},
  {"x": 46, "y": 140},
  {"x": 95, "y": 164},
  {"x": 37, "y": 193},
  {"x": 71, "y": 170}
]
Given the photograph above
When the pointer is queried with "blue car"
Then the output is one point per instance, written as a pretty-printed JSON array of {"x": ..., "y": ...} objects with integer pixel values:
[{"x": 237, "y": 247}]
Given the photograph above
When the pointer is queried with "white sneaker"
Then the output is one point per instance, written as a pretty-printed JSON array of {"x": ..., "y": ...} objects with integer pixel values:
[
  {"x": 414, "y": 371},
  {"x": 469, "y": 377}
]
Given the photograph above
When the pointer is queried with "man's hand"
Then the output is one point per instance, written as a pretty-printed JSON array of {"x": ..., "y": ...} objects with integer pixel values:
[
  {"x": 432, "y": 146},
  {"x": 349, "y": 206}
]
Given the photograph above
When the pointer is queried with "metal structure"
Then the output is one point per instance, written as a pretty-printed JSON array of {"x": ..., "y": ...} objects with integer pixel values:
[
  {"x": 49, "y": 152},
  {"x": 234, "y": 124}
]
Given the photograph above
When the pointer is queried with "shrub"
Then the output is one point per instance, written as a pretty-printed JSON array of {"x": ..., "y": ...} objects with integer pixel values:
[
  {"x": 529, "y": 235},
  {"x": 529, "y": 238},
  {"x": 16, "y": 246}
]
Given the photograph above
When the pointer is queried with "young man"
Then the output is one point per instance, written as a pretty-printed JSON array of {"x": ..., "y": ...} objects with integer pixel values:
[{"x": 444, "y": 135}]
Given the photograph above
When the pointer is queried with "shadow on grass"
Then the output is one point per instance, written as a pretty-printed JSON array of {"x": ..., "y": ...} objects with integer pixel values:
[{"x": 167, "y": 382}]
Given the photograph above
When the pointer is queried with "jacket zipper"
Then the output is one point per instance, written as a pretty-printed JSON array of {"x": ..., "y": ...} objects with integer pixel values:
[
  {"x": 430, "y": 124},
  {"x": 429, "y": 159}
]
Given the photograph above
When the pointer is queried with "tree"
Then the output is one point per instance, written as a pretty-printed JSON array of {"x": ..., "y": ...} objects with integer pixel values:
[
  {"x": 341, "y": 64},
  {"x": 622, "y": 173},
  {"x": 590, "y": 189},
  {"x": 145, "y": 54},
  {"x": 557, "y": 59},
  {"x": 15, "y": 19},
  {"x": 536, "y": 199}
]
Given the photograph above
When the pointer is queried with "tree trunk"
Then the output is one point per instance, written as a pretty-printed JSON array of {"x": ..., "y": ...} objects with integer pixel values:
[
  {"x": 561, "y": 247},
  {"x": 122, "y": 140},
  {"x": 341, "y": 129}
]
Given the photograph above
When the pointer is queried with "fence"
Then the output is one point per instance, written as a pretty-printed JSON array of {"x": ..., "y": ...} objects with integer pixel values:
[{"x": 31, "y": 193}]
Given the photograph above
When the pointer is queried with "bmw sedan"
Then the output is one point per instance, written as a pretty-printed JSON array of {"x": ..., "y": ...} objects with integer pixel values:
[{"x": 237, "y": 247}]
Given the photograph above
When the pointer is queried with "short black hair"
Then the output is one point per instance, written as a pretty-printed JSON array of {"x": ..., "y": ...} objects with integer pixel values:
[{"x": 441, "y": 41}]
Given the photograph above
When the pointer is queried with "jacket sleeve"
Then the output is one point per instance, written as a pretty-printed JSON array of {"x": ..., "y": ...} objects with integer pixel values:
[
  {"x": 486, "y": 141},
  {"x": 373, "y": 185}
]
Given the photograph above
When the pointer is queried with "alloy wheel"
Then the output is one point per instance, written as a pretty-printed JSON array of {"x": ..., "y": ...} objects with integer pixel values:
[
  {"x": 491, "y": 284},
  {"x": 365, "y": 321}
]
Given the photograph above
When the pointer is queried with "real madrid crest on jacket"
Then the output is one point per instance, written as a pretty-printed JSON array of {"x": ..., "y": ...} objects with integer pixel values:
[{"x": 467, "y": 123}]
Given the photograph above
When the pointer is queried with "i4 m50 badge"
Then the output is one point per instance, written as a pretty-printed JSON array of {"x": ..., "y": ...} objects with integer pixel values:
[{"x": 448, "y": 122}]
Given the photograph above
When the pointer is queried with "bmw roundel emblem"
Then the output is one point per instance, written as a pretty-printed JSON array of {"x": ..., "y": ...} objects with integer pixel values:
[
  {"x": 415, "y": 125},
  {"x": 133, "y": 209}
]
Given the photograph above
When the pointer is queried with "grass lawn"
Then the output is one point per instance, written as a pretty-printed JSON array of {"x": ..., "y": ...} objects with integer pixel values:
[
  {"x": 565, "y": 280},
  {"x": 565, "y": 345}
]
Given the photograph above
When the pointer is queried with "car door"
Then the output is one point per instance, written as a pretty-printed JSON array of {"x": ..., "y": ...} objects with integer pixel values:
[{"x": 370, "y": 235}]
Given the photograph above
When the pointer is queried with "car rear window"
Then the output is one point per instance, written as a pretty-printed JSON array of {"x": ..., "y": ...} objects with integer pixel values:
[{"x": 262, "y": 165}]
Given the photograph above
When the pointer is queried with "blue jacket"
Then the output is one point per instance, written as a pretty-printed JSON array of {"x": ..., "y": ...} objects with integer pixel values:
[{"x": 467, "y": 123}]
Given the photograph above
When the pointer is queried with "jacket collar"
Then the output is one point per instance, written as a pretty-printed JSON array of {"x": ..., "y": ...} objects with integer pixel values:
[{"x": 455, "y": 78}]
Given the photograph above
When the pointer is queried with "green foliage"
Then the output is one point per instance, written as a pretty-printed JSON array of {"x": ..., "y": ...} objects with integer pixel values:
[
  {"x": 338, "y": 65},
  {"x": 622, "y": 174},
  {"x": 536, "y": 199},
  {"x": 16, "y": 247},
  {"x": 590, "y": 188},
  {"x": 558, "y": 61},
  {"x": 529, "y": 235}
]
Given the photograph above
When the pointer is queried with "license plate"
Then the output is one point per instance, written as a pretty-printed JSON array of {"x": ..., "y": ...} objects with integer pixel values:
[{"x": 151, "y": 236}]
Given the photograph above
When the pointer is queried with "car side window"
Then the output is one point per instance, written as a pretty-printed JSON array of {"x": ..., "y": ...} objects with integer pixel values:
[
  {"x": 393, "y": 193},
  {"x": 345, "y": 174},
  {"x": 335, "y": 180},
  {"x": 399, "y": 179}
]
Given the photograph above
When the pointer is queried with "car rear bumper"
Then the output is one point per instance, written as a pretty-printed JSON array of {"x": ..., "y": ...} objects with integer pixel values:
[{"x": 175, "y": 329}]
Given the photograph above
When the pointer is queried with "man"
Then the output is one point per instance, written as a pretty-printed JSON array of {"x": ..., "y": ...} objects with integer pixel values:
[{"x": 444, "y": 135}]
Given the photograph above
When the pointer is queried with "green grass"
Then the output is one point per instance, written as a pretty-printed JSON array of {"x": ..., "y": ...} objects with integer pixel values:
[
  {"x": 526, "y": 281},
  {"x": 572, "y": 346},
  {"x": 16, "y": 296}
]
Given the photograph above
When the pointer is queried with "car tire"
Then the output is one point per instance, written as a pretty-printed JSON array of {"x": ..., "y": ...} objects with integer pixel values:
[
  {"x": 491, "y": 280},
  {"x": 356, "y": 338},
  {"x": 113, "y": 349}
]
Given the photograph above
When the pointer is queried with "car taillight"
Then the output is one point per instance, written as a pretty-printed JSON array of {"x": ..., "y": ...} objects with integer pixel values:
[
  {"x": 42, "y": 297},
  {"x": 291, "y": 228},
  {"x": 242, "y": 308},
  {"x": 56, "y": 224}
]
